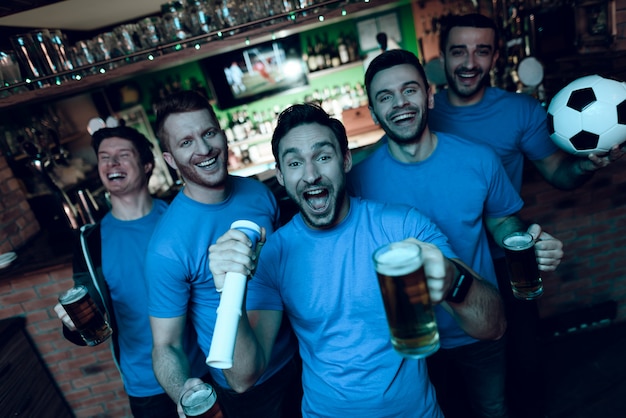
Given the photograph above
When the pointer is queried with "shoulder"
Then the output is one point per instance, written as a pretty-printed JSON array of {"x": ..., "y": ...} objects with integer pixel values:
[
  {"x": 248, "y": 184},
  {"x": 496, "y": 94},
  {"x": 463, "y": 145}
]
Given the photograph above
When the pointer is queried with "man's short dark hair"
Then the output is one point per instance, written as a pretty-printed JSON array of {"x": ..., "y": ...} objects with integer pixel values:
[
  {"x": 303, "y": 114},
  {"x": 179, "y": 102},
  {"x": 142, "y": 144},
  {"x": 472, "y": 20},
  {"x": 390, "y": 59}
]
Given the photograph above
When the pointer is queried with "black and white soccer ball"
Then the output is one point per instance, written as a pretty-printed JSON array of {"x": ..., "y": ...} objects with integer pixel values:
[{"x": 588, "y": 115}]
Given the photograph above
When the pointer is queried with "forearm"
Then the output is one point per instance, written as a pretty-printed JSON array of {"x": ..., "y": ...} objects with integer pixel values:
[
  {"x": 171, "y": 369},
  {"x": 481, "y": 313},
  {"x": 501, "y": 227},
  {"x": 249, "y": 360},
  {"x": 572, "y": 173}
]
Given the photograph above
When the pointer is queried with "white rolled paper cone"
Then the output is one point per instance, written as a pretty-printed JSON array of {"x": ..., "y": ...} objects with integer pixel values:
[
  {"x": 228, "y": 313},
  {"x": 229, "y": 310}
]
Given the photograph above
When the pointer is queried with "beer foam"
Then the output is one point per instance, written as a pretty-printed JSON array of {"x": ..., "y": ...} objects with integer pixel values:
[
  {"x": 73, "y": 295},
  {"x": 518, "y": 242},
  {"x": 398, "y": 261},
  {"x": 199, "y": 402}
]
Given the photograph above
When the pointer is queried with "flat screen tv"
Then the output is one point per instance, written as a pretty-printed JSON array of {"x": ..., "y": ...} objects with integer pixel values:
[{"x": 248, "y": 74}]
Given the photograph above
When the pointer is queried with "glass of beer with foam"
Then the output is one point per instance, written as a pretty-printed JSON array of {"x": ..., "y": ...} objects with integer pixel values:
[
  {"x": 83, "y": 311},
  {"x": 411, "y": 319},
  {"x": 519, "y": 250},
  {"x": 200, "y": 401}
]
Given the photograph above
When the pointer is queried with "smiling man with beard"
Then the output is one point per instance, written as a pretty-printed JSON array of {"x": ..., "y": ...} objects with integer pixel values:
[
  {"x": 515, "y": 127},
  {"x": 177, "y": 264},
  {"x": 463, "y": 188},
  {"x": 110, "y": 262},
  {"x": 318, "y": 271}
]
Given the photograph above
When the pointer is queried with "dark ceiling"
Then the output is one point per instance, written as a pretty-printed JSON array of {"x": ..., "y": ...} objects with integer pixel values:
[{"x": 9, "y": 7}]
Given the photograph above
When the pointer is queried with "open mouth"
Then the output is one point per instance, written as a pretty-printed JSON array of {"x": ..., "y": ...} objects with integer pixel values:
[
  {"x": 116, "y": 176},
  {"x": 406, "y": 117},
  {"x": 317, "y": 199},
  {"x": 207, "y": 164},
  {"x": 468, "y": 76}
]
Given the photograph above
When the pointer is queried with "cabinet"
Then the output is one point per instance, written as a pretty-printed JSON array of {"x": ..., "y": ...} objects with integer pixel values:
[
  {"x": 26, "y": 385},
  {"x": 196, "y": 48}
]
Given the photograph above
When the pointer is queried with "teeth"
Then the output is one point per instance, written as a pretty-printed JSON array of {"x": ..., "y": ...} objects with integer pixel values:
[
  {"x": 115, "y": 176},
  {"x": 314, "y": 192},
  {"x": 206, "y": 163},
  {"x": 403, "y": 117}
]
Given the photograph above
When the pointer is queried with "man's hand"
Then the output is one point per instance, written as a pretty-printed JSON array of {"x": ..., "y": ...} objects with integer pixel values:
[
  {"x": 233, "y": 252},
  {"x": 191, "y": 382},
  {"x": 602, "y": 160},
  {"x": 64, "y": 317},
  {"x": 434, "y": 269},
  {"x": 548, "y": 249}
]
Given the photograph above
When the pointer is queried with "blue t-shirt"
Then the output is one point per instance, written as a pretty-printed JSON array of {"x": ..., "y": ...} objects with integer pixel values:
[
  {"x": 325, "y": 282},
  {"x": 458, "y": 184},
  {"x": 513, "y": 124},
  {"x": 178, "y": 263},
  {"x": 124, "y": 245}
]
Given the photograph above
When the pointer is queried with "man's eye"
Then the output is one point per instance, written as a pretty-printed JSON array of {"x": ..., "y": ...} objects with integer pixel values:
[
  {"x": 293, "y": 164},
  {"x": 185, "y": 143},
  {"x": 384, "y": 98}
]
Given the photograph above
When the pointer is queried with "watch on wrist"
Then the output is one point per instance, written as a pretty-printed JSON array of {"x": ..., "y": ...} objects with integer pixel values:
[{"x": 461, "y": 285}]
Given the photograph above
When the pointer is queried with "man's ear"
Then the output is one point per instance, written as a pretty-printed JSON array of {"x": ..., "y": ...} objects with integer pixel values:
[
  {"x": 279, "y": 177},
  {"x": 148, "y": 167},
  {"x": 169, "y": 159},
  {"x": 431, "y": 96},
  {"x": 373, "y": 115},
  {"x": 347, "y": 161}
]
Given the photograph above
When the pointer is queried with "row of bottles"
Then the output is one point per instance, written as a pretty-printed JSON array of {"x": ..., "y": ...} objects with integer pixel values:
[
  {"x": 248, "y": 132},
  {"x": 321, "y": 53}
]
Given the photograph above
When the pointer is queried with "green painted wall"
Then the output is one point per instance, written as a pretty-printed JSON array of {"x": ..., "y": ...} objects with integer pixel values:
[{"x": 349, "y": 74}]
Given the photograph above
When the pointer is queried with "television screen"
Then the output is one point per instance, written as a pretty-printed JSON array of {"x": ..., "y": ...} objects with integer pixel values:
[{"x": 248, "y": 74}]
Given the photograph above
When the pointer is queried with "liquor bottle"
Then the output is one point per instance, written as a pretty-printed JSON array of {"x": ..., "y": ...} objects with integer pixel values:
[
  {"x": 342, "y": 49},
  {"x": 312, "y": 57},
  {"x": 319, "y": 53}
]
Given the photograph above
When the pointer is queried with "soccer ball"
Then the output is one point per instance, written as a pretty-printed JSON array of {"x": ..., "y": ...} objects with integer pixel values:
[{"x": 588, "y": 115}]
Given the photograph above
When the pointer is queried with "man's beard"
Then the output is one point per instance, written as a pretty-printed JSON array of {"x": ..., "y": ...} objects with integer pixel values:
[
  {"x": 413, "y": 136},
  {"x": 485, "y": 81}
]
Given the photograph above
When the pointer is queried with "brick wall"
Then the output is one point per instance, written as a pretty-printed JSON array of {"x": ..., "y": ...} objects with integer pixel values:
[
  {"x": 87, "y": 376},
  {"x": 17, "y": 221},
  {"x": 591, "y": 222}
]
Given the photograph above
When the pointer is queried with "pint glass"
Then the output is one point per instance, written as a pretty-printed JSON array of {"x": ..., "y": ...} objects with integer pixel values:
[
  {"x": 519, "y": 249},
  {"x": 406, "y": 299},
  {"x": 200, "y": 401},
  {"x": 87, "y": 318}
]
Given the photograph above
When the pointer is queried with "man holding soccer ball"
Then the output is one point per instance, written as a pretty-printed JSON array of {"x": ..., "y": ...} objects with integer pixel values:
[{"x": 514, "y": 125}]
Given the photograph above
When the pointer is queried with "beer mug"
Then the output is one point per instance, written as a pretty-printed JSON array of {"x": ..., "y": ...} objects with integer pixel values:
[
  {"x": 200, "y": 401},
  {"x": 411, "y": 319},
  {"x": 87, "y": 318},
  {"x": 519, "y": 250}
]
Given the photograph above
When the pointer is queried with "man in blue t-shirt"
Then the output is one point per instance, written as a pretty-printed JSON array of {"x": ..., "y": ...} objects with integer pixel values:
[
  {"x": 110, "y": 262},
  {"x": 318, "y": 271},
  {"x": 177, "y": 262},
  {"x": 515, "y": 127},
  {"x": 463, "y": 188}
]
